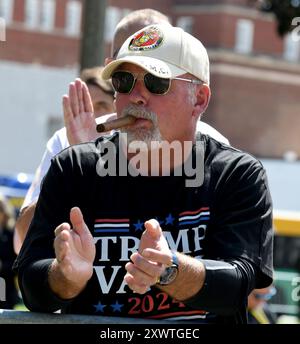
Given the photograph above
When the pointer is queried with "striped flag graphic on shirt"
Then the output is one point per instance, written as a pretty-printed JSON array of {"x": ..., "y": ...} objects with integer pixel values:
[
  {"x": 111, "y": 226},
  {"x": 194, "y": 217}
]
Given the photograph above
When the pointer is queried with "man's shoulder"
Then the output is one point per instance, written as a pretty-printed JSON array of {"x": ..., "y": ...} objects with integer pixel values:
[
  {"x": 223, "y": 156},
  {"x": 86, "y": 151},
  {"x": 82, "y": 154},
  {"x": 207, "y": 129}
]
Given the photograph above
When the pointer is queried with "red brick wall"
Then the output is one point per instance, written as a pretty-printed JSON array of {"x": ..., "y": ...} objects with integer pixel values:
[
  {"x": 261, "y": 117},
  {"x": 56, "y": 49},
  {"x": 228, "y": 30},
  {"x": 266, "y": 39},
  {"x": 212, "y": 2},
  {"x": 28, "y": 47},
  {"x": 219, "y": 30},
  {"x": 215, "y": 30},
  {"x": 60, "y": 13},
  {"x": 18, "y": 14},
  {"x": 164, "y": 6},
  {"x": 25, "y": 45},
  {"x": 208, "y": 29}
]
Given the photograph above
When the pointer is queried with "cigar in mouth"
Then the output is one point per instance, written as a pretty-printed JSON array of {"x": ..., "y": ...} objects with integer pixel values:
[{"x": 116, "y": 124}]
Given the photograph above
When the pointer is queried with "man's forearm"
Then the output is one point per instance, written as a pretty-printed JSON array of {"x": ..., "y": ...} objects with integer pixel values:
[
  {"x": 216, "y": 286},
  {"x": 61, "y": 286},
  {"x": 189, "y": 281},
  {"x": 22, "y": 226},
  {"x": 222, "y": 287},
  {"x": 34, "y": 284}
]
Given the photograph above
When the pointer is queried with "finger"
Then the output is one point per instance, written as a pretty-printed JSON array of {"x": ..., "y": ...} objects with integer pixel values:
[
  {"x": 140, "y": 277},
  {"x": 153, "y": 269},
  {"x": 64, "y": 261},
  {"x": 87, "y": 100},
  {"x": 140, "y": 289},
  {"x": 73, "y": 99},
  {"x": 153, "y": 229},
  {"x": 78, "y": 85},
  {"x": 78, "y": 223},
  {"x": 61, "y": 247},
  {"x": 68, "y": 115},
  {"x": 60, "y": 228},
  {"x": 161, "y": 257}
]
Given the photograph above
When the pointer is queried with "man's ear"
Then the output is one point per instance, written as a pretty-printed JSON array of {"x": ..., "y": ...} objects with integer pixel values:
[{"x": 202, "y": 99}]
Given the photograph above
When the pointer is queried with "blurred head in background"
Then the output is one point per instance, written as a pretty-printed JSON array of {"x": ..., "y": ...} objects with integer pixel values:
[
  {"x": 7, "y": 215},
  {"x": 101, "y": 91},
  {"x": 259, "y": 311},
  {"x": 259, "y": 297}
]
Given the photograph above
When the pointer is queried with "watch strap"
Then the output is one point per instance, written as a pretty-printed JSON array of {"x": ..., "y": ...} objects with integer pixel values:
[{"x": 170, "y": 273}]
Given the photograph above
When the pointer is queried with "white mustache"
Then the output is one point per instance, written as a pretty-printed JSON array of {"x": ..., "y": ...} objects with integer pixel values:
[{"x": 140, "y": 112}]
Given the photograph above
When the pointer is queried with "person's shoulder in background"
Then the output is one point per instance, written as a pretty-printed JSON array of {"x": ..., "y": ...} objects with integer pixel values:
[{"x": 207, "y": 129}]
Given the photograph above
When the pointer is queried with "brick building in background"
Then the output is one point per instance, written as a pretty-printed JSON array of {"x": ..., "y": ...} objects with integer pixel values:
[{"x": 255, "y": 75}]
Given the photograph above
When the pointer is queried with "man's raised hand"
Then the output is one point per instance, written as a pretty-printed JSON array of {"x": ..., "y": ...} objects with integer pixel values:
[
  {"x": 74, "y": 249},
  {"x": 79, "y": 114}
]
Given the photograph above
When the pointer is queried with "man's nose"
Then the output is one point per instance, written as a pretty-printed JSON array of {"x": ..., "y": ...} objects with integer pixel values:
[{"x": 139, "y": 94}]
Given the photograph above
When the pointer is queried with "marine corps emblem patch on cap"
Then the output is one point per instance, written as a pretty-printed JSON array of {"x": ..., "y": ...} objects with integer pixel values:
[{"x": 148, "y": 39}]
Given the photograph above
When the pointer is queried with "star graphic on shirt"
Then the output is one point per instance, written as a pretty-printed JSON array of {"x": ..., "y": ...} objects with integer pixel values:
[
  {"x": 99, "y": 307},
  {"x": 116, "y": 306},
  {"x": 138, "y": 226},
  {"x": 170, "y": 219}
]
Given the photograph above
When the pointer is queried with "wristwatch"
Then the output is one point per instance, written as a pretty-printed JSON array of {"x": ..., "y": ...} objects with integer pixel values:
[{"x": 170, "y": 273}]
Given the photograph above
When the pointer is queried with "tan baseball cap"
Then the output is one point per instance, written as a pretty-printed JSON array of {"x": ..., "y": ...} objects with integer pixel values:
[{"x": 165, "y": 51}]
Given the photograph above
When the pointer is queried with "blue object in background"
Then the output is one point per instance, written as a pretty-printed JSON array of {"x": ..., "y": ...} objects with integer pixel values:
[{"x": 14, "y": 187}]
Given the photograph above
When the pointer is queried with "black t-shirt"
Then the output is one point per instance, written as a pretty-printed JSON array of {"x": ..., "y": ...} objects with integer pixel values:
[{"x": 228, "y": 216}]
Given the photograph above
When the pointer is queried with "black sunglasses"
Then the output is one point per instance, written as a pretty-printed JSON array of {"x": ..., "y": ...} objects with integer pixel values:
[{"x": 123, "y": 82}]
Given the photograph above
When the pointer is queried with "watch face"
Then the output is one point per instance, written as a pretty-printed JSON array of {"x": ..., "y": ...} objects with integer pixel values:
[{"x": 169, "y": 275}]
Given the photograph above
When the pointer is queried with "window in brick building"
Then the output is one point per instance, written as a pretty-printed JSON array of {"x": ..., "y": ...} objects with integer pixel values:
[
  {"x": 112, "y": 17},
  {"x": 48, "y": 14},
  {"x": 244, "y": 36},
  {"x": 73, "y": 18},
  {"x": 2, "y": 30},
  {"x": 32, "y": 13},
  {"x": 40, "y": 14},
  {"x": 186, "y": 23},
  {"x": 291, "y": 50},
  {"x": 6, "y": 10}
]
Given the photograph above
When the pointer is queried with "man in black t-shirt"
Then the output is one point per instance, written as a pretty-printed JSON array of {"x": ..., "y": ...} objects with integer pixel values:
[{"x": 163, "y": 224}]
